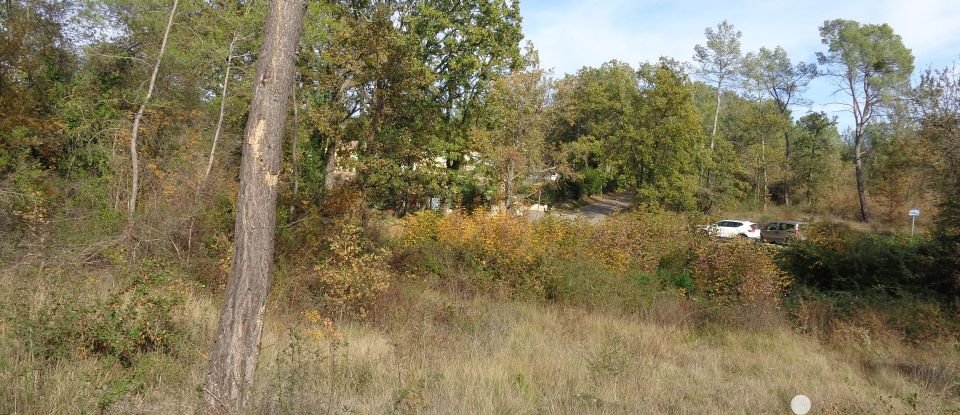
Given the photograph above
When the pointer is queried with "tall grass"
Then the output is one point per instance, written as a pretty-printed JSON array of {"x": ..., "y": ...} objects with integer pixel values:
[{"x": 475, "y": 314}]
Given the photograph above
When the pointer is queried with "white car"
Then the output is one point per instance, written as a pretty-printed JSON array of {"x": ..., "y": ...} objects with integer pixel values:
[{"x": 733, "y": 228}]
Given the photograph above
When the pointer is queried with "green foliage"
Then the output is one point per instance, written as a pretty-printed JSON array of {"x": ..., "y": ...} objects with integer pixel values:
[
  {"x": 353, "y": 276},
  {"x": 670, "y": 148},
  {"x": 837, "y": 259},
  {"x": 815, "y": 154},
  {"x": 135, "y": 320},
  {"x": 593, "y": 182}
]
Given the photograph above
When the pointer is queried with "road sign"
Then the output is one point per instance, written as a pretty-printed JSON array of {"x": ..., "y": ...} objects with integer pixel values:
[{"x": 914, "y": 214}]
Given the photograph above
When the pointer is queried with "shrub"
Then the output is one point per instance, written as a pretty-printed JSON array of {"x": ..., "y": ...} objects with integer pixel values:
[
  {"x": 641, "y": 240},
  {"x": 839, "y": 259},
  {"x": 738, "y": 273},
  {"x": 554, "y": 259},
  {"x": 353, "y": 275},
  {"x": 593, "y": 182},
  {"x": 136, "y": 320}
]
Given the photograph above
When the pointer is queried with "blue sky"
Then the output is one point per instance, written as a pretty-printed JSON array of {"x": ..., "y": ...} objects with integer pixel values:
[{"x": 572, "y": 34}]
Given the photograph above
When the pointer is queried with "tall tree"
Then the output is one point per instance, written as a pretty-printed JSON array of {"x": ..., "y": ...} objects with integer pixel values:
[
  {"x": 718, "y": 62},
  {"x": 773, "y": 74},
  {"x": 815, "y": 137},
  {"x": 870, "y": 65},
  {"x": 233, "y": 356},
  {"x": 937, "y": 107},
  {"x": 516, "y": 108},
  {"x": 134, "y": 158},
  {"x": 670, "y": 137}
]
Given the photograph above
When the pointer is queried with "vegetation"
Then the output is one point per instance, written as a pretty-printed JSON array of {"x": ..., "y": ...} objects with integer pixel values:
[{"x": 371, "y": 241}]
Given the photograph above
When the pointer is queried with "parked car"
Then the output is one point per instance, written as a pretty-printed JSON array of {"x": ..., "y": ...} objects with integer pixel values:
[
  {"x": 732, "y": 228},
  {"x": 783, "y": 231}
]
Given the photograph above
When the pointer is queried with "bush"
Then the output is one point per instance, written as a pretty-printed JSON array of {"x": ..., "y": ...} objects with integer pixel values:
[
  {"x": 353, "y": 276},
  {"x": 838, "y": 259},
  {"x": 604, "y": 265},
  {"x": 136, "y": 320},
  {"x": 738, "y": 273},
  {"x": 593, "y": 182}
]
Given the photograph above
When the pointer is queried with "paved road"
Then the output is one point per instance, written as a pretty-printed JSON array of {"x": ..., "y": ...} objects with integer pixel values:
[{"x": 600, "y": 207}]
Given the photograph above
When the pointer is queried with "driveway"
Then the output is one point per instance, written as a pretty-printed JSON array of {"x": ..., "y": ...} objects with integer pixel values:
[{"x": 599, "y": 207}]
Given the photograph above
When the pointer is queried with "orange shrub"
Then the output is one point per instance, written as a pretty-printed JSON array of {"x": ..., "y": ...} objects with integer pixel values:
[
  {"x": 353, "y": 276},
  {"x": 739, "y": 273}
]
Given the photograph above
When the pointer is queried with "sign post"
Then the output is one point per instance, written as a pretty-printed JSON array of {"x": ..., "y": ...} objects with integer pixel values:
[{"x": 914, "y": 214}]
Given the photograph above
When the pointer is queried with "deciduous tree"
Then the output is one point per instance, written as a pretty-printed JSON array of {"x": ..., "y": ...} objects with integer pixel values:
[{"x": 869, "y": 64}]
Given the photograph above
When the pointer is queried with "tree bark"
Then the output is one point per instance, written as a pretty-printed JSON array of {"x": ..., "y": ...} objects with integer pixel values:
[
  {"x": 223, "y": 105},
  {"x": 330, "y": 167},
  {"x": 786, "y": 155},
  {"x": 134, "y": 160},
  {"x": 861, "y": 183},
  {"x": 716, "y": 116},
  {"x": 233, "y": 356}
]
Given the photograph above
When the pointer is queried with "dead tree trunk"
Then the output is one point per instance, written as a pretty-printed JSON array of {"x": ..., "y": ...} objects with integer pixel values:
[
  {"x": 716, "y": 115},
  {"x": 134, "y": 160},
  {"x": 330, "y": 168},
  {"x": 294, "y": 150},
  {"x": 233, "y": 356},
  {"x": 861, "y": 182},
  {"x": 223, "y": 106}
]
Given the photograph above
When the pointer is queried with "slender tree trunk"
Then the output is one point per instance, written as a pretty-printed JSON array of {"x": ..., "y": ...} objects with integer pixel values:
[
  {"x": 294, "y": 154},
  {"x": 134, "y": 160},
  {"x": 716, "y": 116},
  {"x": 763, "y": 162},
  {"x": 223, "y": 106},
  {"x": 861, "y": 181},
  {"x": 233, "y": 356},
  {"x": 330, "y": 168},
  {"x": 786, "y": 155},
  {"x": 813, "y": 155},
  {"x": 508, "y": 189}
]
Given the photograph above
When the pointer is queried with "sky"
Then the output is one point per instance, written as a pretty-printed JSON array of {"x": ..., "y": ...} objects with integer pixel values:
[{"x": 572, "y": 34}]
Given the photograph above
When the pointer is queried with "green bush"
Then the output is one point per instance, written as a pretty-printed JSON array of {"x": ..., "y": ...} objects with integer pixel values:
[
  {"x": 593, "y": 182},
  {"x": 130, "y": 322},
  {"x": 837, "y": 259}
]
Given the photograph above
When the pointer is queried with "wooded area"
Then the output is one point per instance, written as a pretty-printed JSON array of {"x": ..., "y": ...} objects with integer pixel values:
[
  {"x": 402, "y": 107},
  {"x": 420, "y": 100}
]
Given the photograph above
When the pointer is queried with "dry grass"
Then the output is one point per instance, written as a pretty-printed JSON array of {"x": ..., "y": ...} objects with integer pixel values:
[
  {"x": 432, "y": 353},
  {"x": 441, "y": 356}
]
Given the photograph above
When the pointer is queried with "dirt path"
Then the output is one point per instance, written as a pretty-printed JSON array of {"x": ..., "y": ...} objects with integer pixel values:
[{"x": 599, "y": 207}]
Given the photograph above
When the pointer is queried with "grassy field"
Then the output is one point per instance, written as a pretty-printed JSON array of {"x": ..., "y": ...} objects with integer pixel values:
[
  {"x": 435, "y": 353},
  {"x": 473, "y": 319}
]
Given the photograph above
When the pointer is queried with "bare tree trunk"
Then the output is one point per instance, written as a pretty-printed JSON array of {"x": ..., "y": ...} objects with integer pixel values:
[
  {"x": 763, "y": 162},
  {"x": 223, "y": 105},
  {"x": 233, "y": 356},
  {"x": 134, "y": 160},
  {"x": 508, "y": 190},
  {"x": 861, "y": 182},
  {"x": 786, "y": 155},
  {"x": 294, "y": 155},
  {"x": 716, "y": 116},
  {"x": 330, "y": 167}
]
